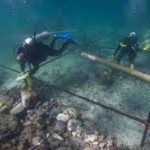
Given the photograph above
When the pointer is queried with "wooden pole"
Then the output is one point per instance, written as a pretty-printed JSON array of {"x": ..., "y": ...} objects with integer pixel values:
[{"x": 110, "y": 64}]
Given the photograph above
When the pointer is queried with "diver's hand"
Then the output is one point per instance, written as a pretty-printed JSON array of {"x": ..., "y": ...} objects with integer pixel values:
[
  {"x": 112, "y": 57},
  {"x": 24, "y": 74},
  {"x": 146, "y": 48},
  {"x": 21, "y": 74}
]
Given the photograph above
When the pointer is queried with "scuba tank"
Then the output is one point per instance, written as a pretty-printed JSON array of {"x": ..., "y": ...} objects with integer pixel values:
[{"x": 37, "y": 38}]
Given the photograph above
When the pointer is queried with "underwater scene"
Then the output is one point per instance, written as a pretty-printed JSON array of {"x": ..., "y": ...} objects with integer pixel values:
[{"x": 74, "y": 74}]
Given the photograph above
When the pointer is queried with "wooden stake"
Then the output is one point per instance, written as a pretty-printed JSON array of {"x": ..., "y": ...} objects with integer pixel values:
[{"x": 110, "y": 64}]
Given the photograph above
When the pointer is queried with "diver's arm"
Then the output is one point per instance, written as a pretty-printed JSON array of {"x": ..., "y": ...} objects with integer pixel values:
[
  {"x": 122, "y": 44},
  {"x": 35, "y": 68},
  {"x": 22, "y": 66}
]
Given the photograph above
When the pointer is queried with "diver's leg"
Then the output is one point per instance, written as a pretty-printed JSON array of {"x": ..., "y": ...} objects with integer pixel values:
[
  {"x": 121, "y": 55},
  {"x": 132, "y": 56},
  {"x": 64, "y": 46},
  {"x": 52, "y": 44}
]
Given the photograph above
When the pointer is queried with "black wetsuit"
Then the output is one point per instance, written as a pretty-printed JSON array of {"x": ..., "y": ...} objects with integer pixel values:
[
  {"x": 38, "y": 52},
  {"x": 127, "y": 45}
]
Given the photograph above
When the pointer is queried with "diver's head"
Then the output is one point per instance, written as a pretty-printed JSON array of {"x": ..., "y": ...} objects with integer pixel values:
[
  {"x": 133, "y": 37},
  {"x": 132, "y": 34},
  {"x": 20, "y": 58}
]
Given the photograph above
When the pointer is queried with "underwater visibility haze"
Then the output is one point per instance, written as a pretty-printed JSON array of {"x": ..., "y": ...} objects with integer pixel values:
[{"x": 109, "y": 29}]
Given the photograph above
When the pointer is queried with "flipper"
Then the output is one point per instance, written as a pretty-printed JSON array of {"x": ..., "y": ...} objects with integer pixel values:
[{"x": 65, "y": 35}]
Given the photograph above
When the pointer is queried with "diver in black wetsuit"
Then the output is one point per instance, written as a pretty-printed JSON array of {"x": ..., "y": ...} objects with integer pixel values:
[
  {"x": 34, "y": 52},
  {"x": 128, "y": 45}
]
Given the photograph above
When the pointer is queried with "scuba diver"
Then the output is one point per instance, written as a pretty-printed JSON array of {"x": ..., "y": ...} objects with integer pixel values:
[
  {"x": 33, "y": 51},
  {"x": 128, "y": 45}
]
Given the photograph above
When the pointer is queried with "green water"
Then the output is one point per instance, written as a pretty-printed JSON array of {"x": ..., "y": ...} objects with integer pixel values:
[{"x": 19, "y": 18}]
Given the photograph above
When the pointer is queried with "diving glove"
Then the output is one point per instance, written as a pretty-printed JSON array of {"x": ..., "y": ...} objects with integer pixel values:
[
  {"x": 22, "y": 76},
  {"x": 132, "y": 66},
  {"x": 112, "y": 58},
  {"x": 146, "y": 48}
]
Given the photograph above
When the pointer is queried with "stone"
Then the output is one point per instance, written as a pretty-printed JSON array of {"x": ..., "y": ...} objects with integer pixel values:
[
  {"x": 36, "y": 141},
  {"x": 58, "y": 137},
  {"x": 73, "y": 124},
  {"x": 92, "y": 137},
  {"x": 17, "y": 109},
  {"x": 103, "y": 145},
  {"x": 3, "y": 100},
  {"x": 89, "y": 148},
  {"x": 74, "y": 134},
  {"x": 28, "y": 123},
  {"x": 63, "y": 148},
  {"x": 95, "y": 143},
  {"x": 76, "y": 143},
  {"x": 63, "y": 117},
  {"x": 9, "y": 125},
  {"x": 60, "y": 127},
  {"x": 67, "y": 134},
  {"x": 28, "y": 99},
  {"x": 110, "y": 143},
  {"x": 4, "y": 109},
  {"x": 54, "y": 112},
  {"x": 71, "y": 112},
  {"x": 54, "y": 144}
]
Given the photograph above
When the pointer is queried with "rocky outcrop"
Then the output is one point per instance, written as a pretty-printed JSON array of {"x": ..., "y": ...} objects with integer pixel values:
[
  {"x": 9, "y": 126},
  {"x": 47, "y": 126}
]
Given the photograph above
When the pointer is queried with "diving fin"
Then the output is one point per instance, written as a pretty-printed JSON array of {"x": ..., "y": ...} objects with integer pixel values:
[{"x": 65, "y": 35}]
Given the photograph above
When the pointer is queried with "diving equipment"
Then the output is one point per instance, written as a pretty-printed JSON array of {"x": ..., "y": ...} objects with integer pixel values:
[
  {"x": 132, "y": 66},
  {"x": 65, "y": 35},
  {"x": 132, "y": 34},
  {"x": 38, "y": 37}
]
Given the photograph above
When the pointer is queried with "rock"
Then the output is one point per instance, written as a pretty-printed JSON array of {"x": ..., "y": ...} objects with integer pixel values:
[
  {"x": 28, "y": 123},
  {"x": 110, "y": 143},
  {"x": 17, "y": 109},
  {"x": 54, "y": 144},
  {"x": 103, "y": 145},
  {"x": 3, "y": 100},
  {"x": 9, "y": 126},
  {"x": 4, "y": 109},
  {"x": 36, "y": 141},
  {"x": 71, "y": 112},
  {"x": 58, "y": 137},
  {"x": 28, "y": 133},
  {"x": 63, "y": 148},
  {"x": 92, "y": 137},
  {"x": 67, "y": 134},
  {"x": 76, "y": 143},
  {"x": 95, "y": 143},
  {"x": 89, "y": 148},
  {"x": 73, "y": 124},
  {"x": 54, "y": 112},
  {"x": 74, "y": 134},
  {"x": 28, "y": 99},
  {"x": 63, "y": 117},
  {"x": 60, "y": 127}
]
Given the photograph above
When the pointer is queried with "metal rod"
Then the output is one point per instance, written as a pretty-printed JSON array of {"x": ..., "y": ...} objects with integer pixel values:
[
  {"x": 94, "y": 102},
  {"x": 145, "y": 131},
  {"x": 10, "y": 69},
  {"x": 146, "y": 123},
  {"x": 87, "y": 99}
]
